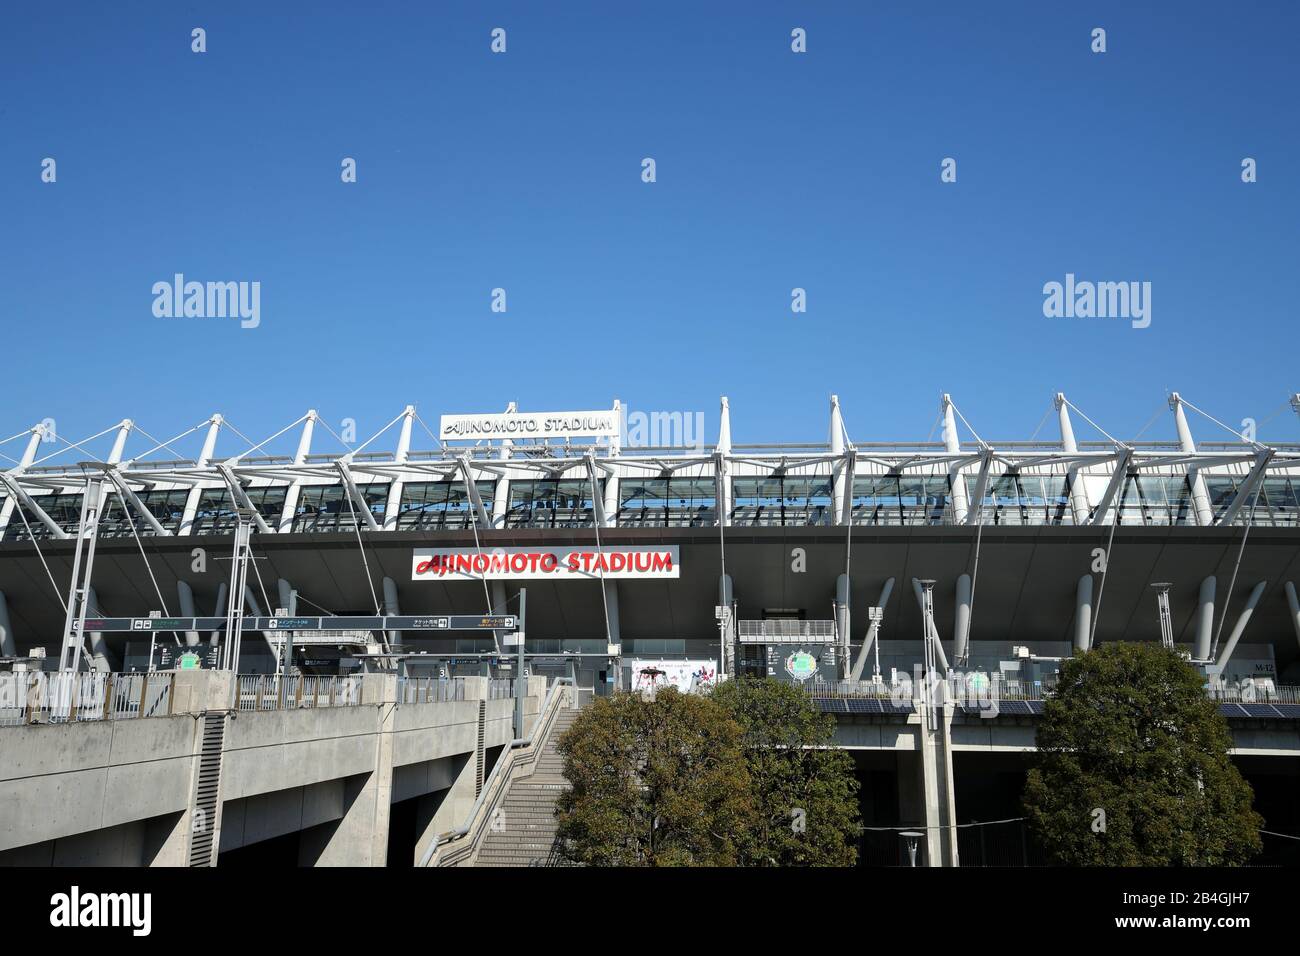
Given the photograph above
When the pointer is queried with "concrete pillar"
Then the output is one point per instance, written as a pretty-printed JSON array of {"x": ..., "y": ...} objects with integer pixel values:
[
  {"x": 185, "y": 596},
  {"x": 1205, "y": 620},
  {"x": 360, "y": 838},
  {"x": 1200, "y": 497},
  {"x": 1295, "y": 608},
  {"x": 611, "y": 604},
  {"x": 214, "y": 639},
  {"x": 102, "y": 659},
  {"x": 1242, "y": 621},
  {"x": 392, "y": 607},
  {"x": 449, "y": 808},
  {"x": 1083, "y": 614},
  {"x": 937, "y": 792},
  {"x": 843, "y": 621},
  {"x": 952, "y": 444},
  {"x": 196, "y": 493},
  {"x": 8, "y": 646},
  {"x": 961, "y": 620}
]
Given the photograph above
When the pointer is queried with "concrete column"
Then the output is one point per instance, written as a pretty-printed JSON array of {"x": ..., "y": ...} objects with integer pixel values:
[
  {"x": 952, "y": 444},
  {"x": 1083, "y": 614},
  {"x": 185, "y": 596},
  {"x": 8, "y": 646},
  {"x": 843, "y": 621},
  {"x": 1242, "y": 621},
  {"x": 1200, "y": 497},
  {"x": 449, "y": 808},
  {"x": 196, "y": 493},
  {"x": 1205, "y": 620},
  {"x": 102, "y": 659},
  {"x": 939, "y": 799},
  {"x": 611, "y": 603},
  {"x": 214, "y": 639},
  {"x": 392, "y": 606},
  {"x": 1295, "y": 608},
  {"x": 961, "y": 619},
  {"x": 360, "y": 838}
]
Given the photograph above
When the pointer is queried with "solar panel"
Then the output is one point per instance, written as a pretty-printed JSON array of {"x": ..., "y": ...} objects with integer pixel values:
[
  {"x": 1259, "y": 710},
  {"x": 1035, "y": 707},
  {"x": 864, "y": 706},
  {"x": 1232, "y": 710},
  {"x": 1288, "y": 711},
  {"x": 1015, "y": 708}
]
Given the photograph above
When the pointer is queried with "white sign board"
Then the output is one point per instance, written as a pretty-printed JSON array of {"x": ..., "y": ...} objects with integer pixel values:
[
  {"x": 551, "y": 564},
  {"x": 684, "y": 675},
  {"x": 518, "y": 425}
]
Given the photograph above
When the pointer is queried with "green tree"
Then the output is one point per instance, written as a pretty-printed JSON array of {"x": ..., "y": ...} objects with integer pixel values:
[
  {"x": 804, "y": 790},
  {"x": 1133, "y": 767},
  {"x": 655, "y": 782}
]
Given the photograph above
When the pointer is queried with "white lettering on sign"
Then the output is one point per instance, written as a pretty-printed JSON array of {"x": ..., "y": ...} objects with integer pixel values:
[
  {"x": 530, "y": 425},
  {"x": 469, "y": 564}
]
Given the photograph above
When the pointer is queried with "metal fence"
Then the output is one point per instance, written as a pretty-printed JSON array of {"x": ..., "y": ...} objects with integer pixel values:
[
  {"x": 500, "y": 688},
  {"x": 255, "y": 692},
  {"x": 430, "y": 690},
  {"x": 1257, "y": 694},
  {"x": 36, "y": 697}
]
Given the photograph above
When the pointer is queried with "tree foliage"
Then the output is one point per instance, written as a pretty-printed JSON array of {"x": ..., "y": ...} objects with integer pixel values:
[
  {"x": 804, "y": 790},
  {"x": 735, "y": 778},
  {"x": 1133, "y": 767},
  {"x": 655, "y": 782}
]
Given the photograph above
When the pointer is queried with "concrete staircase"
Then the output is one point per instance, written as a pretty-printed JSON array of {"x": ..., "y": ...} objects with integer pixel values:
[{"x": 524, "y": 830}]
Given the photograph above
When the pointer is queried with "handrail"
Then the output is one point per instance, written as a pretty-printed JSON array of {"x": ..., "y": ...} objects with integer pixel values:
[{"x": 545, "y": 717}]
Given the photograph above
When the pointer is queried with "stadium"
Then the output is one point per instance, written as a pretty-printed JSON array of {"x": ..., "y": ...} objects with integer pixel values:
[{"x": 852, "y": 567}]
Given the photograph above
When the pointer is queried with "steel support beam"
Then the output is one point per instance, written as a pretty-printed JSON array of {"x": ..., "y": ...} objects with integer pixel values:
[
  {"x": 1117, "y": 478},
  {"x": 1247, "y": 489},
  {"x": 1242, "y": 620}
]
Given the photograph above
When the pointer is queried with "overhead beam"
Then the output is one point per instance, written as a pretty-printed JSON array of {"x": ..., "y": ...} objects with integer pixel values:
[{"x": 1256, "y": 475}]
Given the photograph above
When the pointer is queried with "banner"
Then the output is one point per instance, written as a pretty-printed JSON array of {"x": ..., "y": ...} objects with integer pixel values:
[
  {"x": 517, "y": 425},
  {"x": 686, "y": 676},
  {"x": 553, "y": 564}
]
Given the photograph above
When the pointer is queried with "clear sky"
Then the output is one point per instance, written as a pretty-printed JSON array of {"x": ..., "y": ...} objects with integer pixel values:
[{"x": 775, "y": 170}]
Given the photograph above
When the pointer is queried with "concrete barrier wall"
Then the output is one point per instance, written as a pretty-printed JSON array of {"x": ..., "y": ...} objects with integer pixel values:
[{"x": 62, "y": 779}]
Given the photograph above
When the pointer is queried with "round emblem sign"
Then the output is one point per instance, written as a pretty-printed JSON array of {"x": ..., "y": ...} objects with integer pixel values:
[{"x": 801, "y": 665}]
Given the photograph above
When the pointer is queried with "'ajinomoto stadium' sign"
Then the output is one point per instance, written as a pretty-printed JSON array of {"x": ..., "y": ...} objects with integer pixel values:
[{"x": 471, "y": 564}]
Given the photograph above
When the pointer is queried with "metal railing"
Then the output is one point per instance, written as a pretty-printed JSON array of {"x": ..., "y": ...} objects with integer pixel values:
[
  {"x": 257, "y": 692},
  {"x": 38, "y": 697},
  {"x": 430, "y": 690},
  {"x": 500, "y": 688},
  {"x": 1256, "y": 694},
  {"x": 455, "y": 846},
  {"x": 784, "y": 627}
]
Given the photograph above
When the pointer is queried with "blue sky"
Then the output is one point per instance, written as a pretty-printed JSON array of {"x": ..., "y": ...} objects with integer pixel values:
[{"x": 775, "y": 170}]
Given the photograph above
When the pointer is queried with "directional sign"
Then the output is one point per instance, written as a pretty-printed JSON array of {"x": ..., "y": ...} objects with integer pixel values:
[{"x": 448, "y": 622}]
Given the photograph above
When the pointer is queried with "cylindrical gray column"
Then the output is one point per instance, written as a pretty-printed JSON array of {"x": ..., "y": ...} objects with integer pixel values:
[
  {"x": 1083, "y": 613},
  {"x": 101, "y": 656},
  {"x": 1205, "y": 619},
  {"x": 843, "y": 595},
  {"x": 8, "y": 646},
  {"x": 219, "y": 610},
  {"x": 186, "y": 597},
  {"x": 611, "y": 605},
  {"x": 1295, "y": 608},
  {"x": 391, "y": 606},
  {"x": 961, "y": 618},
  {"x": 1242, "y": 621}
]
